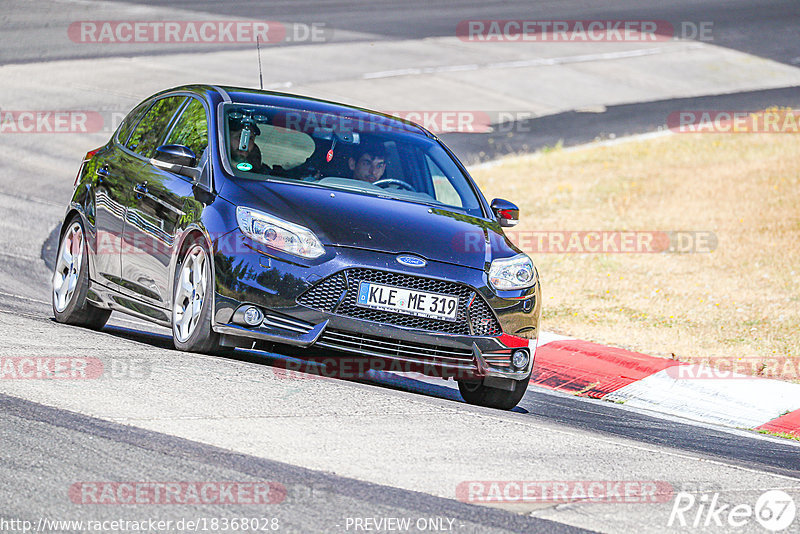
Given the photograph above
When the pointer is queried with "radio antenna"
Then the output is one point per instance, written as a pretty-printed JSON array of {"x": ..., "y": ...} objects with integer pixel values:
[{"x": 260, "y": 76}]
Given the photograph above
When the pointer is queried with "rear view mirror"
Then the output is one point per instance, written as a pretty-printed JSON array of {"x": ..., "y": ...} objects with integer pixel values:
[
  {"x": 179, "y": 159},
  {"x": 507, "y": 213}
]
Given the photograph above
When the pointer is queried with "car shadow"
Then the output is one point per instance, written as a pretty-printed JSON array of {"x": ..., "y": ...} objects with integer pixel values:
[
  {"x": 140, "y": 336},
  {"x": 315, "y": 364}
]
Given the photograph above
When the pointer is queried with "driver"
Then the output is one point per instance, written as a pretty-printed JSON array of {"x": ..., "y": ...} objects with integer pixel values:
[{"x": 370, "y": 164}]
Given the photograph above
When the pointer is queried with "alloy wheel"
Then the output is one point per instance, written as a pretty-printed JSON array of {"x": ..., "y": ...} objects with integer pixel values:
[
  {"x": 190, "y": 294},
  {"x": 68, "y": 267}
]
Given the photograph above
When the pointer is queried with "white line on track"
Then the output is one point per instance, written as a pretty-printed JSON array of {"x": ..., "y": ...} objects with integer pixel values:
[
  {"x": 627, "y": 443},
  {"x": 538, "y": 62},
  {"x": 33, "y": 199},
  {"x": 19, "y": 256},
  {"x": 12, "y": 295}
]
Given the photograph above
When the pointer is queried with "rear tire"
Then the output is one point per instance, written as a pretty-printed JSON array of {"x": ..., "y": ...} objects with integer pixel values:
[
  {"x": 191, "y": 303},
  {"x": 70, "y": 283},
  {"x": 501, "y": 399}
]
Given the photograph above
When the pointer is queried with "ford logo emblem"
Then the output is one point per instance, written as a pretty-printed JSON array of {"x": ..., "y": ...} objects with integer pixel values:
[{"x": 411, "y": 261}]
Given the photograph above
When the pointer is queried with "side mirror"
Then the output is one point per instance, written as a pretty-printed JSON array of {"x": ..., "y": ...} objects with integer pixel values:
[
  {"x": 507, "y": 213},
  {"x": 178, "y": 159}
]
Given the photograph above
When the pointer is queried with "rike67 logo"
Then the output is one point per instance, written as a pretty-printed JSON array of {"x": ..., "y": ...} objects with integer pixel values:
[{"x": 775, "y": 510}]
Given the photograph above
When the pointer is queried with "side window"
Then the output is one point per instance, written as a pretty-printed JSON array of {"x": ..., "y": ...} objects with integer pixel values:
[
  {"x": 191, "y": 130},
  {"x": 150, "y": 129},
  {"x": 130, "y": 120}
]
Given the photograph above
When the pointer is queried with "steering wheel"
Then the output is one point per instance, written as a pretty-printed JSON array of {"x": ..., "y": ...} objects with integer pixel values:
[{"x": 393, "y": 181}]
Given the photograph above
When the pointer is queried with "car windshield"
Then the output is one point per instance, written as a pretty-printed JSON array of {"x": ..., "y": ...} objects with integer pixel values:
[{"x": 368, "y": 156}]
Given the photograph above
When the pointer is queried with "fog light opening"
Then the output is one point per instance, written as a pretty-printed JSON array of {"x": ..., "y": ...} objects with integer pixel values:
[
  {"x": 253, "y": 316},
  {"x": 520, "y": 359}
]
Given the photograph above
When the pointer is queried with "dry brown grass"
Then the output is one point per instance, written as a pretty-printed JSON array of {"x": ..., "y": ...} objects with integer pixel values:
[{"x": 743, "y": 300}]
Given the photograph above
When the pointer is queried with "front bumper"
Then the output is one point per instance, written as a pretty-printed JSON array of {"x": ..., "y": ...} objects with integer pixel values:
[
  {"x": 444, "y": 356},
  {"x": 275, "y": 287}
]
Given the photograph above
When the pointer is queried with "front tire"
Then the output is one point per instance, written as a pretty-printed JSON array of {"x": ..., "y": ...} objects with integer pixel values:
[
  {"x": 71, "y": 281},
  {"x": 191, "y": 303},
  {"x": 501, "y": 399}
]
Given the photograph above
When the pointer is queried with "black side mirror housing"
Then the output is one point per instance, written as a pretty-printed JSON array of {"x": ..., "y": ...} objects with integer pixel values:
[
  {"x": 179, "y": 159},
  {"x": 506, "y": 212}
]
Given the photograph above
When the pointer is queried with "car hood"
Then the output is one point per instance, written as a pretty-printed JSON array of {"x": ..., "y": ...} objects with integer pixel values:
[{"x": 352, "y": 219}]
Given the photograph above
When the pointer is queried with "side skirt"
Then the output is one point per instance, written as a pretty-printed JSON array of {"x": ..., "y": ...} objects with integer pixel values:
[{"x": 110, "y": 299}]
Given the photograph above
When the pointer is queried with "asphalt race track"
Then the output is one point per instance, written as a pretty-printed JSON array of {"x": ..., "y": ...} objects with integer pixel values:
[{"x": 345, "y": 454}]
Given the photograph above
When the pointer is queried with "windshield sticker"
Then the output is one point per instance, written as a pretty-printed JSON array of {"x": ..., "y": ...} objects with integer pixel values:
[{"x": 244, "y": 166}]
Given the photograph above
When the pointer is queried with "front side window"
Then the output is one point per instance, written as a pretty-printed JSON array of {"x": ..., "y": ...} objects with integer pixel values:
[
  {"x": 369, "y": 156},
  {"x": 191, "y": 130},
  {"x": 150, "y": 130}
]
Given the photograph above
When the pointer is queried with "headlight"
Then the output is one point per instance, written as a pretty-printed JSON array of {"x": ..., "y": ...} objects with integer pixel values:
[
  {"x": 512, "y": 273},
  {"x": 279, "y": 234}
]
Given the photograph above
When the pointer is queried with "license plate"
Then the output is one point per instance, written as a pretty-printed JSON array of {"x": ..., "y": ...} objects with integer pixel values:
[{"x": 408, "y": 301}]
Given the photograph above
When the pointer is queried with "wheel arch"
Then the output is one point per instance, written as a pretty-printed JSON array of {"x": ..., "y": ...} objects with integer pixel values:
[
  {"x": 71, "y": 212},
  {"x": 88, "y": 231}
]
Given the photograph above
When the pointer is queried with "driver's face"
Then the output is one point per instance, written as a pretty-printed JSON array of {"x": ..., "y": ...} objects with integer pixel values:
[
  {"x": 241, "y": 155},
  {"x": 368, "y": 168}
]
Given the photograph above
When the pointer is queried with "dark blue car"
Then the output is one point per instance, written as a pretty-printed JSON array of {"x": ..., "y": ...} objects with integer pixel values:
[{"x": 246, "y": 218}]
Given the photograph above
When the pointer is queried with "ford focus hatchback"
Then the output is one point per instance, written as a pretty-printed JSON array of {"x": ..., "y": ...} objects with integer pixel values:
[{"x": 246, "y": 218}]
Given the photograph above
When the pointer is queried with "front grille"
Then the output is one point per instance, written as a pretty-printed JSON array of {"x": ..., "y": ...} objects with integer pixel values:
[
  {"x": 325, "y": 295},
  {"x": 473, "y": 311},
  {"x": 484, "y": 323},
  {"x": 393, "y": 349}
]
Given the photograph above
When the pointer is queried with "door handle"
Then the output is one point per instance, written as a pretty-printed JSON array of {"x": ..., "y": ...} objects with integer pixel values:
[{"x": 140, "y": 189}]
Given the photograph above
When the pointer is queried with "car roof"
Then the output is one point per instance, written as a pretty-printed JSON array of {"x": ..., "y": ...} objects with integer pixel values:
[{"x": 243, "y": 95}]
